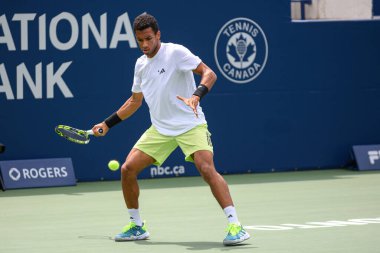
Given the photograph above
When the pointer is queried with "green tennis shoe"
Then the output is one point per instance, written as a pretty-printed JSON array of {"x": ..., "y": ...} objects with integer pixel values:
[
  {"x": 132, "y": 232},
  {"x": 235, "y": 234}
]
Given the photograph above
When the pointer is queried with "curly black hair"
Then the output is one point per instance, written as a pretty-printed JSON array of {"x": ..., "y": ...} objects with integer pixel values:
[{"x": 144, "y": 21}]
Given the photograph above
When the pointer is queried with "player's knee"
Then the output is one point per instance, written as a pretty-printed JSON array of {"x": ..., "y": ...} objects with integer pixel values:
[
  {"x": 207, "y": 171},
  {"x": 127, "y": 170}
]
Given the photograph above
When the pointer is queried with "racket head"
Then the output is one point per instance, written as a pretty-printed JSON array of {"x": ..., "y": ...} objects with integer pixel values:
[{"x": 73, "y": 134}]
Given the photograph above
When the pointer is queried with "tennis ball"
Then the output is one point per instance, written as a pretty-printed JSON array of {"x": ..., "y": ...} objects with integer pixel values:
[{"x": 113, "y": 165}]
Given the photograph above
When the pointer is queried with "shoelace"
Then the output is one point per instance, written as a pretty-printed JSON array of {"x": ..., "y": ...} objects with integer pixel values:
[
  {"x": 132, "y": 225},
  {"x": 233, "y": 229},
  {"x": 129, "y": 226}
]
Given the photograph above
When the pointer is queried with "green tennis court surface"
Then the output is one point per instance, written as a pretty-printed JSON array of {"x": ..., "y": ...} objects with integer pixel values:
[{"x": 182, "y": 215}]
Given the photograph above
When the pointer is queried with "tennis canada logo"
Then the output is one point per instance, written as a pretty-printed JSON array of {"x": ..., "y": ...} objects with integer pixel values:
[{"x": 241, "y": 50}]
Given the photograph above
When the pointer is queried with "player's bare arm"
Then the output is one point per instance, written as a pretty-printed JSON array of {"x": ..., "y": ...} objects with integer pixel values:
[
  {"x": 130, "y": 106},
  {"x": 125, "y": 111},
  {"x": 208, "y": 78}
]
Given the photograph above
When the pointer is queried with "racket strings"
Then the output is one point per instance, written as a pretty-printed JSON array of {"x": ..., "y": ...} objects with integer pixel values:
[{"x": 73, "y": 134}]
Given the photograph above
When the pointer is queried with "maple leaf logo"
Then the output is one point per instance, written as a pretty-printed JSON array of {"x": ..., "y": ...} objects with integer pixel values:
[
  {"x": 250, "y": 51},
  {"x": 232, "y": 51},
  {"x": 241, "y": 51}
]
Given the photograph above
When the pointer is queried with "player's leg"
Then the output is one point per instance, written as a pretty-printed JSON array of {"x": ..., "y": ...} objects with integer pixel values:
[
  {"x": 152, "y": 147},
  {"x": 197, "y": 146},
  {"x": 204, "y": 162},
  {"x": 136, "y": 161}
]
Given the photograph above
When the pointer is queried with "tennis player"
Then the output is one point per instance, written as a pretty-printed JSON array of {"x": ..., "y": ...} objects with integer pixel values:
[{"x": 164, "y": 77}]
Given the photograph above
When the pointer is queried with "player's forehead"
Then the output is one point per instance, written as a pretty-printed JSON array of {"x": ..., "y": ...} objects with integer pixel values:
[{"x": 143, "y": 34}]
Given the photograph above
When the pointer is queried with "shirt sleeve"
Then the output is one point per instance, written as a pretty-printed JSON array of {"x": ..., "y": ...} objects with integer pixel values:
[
  {"x": 186, "y": 60},
  {"x": 136, "y": 87}
]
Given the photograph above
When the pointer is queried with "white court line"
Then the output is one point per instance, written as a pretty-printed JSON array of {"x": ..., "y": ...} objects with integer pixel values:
[{"x": 313, "y": 224}]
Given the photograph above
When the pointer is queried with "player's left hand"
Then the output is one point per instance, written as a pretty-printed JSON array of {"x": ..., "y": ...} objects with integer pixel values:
[{"x": 192, "y": 102}]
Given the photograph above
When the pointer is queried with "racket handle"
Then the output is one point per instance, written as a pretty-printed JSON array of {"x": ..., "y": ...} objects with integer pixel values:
[{"x": 90, "y": 132}]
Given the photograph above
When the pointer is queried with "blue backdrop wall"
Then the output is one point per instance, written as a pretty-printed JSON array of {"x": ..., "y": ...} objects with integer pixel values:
[{"x": 289, "y": 95}]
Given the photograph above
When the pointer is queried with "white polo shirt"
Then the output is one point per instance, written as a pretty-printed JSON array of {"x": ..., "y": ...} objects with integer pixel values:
[{"x": 161, "y": 79}]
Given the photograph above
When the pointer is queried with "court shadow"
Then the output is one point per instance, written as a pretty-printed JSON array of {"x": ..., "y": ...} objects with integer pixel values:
[{"x": 197, "y": 246}]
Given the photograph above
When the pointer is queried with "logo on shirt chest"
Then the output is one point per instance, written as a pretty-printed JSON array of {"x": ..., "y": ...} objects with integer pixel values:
[{"x": 161, "y": 71}]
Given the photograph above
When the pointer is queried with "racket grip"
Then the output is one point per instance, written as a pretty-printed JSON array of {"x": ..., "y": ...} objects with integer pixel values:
[{"x": 90, "y": 132}]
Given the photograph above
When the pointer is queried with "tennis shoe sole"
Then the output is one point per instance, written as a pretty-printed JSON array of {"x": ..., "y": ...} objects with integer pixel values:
[{"x": 132, "y": 238}]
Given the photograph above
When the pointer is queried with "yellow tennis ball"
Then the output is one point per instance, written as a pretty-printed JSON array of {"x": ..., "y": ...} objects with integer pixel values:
[{"x": 113, "y": 165}]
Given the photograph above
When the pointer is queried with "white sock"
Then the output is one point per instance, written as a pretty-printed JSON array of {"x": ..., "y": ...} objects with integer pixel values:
[
  {"x": 135, "y": 216},
  {"x": 231, "y": 214}
]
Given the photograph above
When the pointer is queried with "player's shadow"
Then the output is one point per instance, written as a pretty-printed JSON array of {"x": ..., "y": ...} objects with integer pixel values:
[
  {"x": 198, "y": 245},
  {"x": 188, "y": 245}
]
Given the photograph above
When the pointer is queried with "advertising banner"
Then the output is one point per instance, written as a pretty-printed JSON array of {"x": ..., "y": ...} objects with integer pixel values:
[
  {"x": 37, "y": 173},
  {"x": 367, "y": 157}
]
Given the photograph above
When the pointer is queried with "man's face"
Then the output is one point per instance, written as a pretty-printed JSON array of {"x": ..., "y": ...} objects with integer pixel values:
[{"x": 148, "y": 41}]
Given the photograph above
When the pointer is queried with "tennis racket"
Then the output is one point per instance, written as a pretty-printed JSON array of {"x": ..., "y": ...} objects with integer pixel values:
[{"x": 75, "y": 135}]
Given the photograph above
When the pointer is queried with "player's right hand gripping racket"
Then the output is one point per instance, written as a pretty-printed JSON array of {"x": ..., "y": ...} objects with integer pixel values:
[{"x": 75, "y": 135}]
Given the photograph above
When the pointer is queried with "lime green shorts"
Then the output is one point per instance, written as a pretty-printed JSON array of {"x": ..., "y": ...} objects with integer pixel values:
[{"x": 161, "y": 146}]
